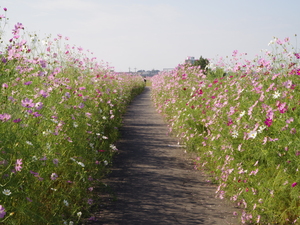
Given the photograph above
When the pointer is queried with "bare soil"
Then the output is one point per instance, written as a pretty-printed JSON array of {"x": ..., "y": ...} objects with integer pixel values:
[{"x": 153, "y": 182}]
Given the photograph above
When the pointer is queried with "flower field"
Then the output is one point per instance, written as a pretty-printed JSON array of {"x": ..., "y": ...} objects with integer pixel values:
[
  {"x": 244, "y": 126},
  {"x": 59, "y": 117}
]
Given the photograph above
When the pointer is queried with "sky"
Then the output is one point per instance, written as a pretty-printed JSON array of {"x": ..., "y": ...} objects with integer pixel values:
[{"x": 158, "y": 34}]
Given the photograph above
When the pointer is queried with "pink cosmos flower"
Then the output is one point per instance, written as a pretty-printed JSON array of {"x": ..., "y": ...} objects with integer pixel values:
[
  {"x": 54, "y": 176},
  {"x": 279, "y": 42},
  {"x": 28, "y": 83},
  {"x": 258, "y": 219},
  {"x": 81, "y": 105},
  {"x": 5, "y": 117},
  {"x": 4, "y": 85},
  {"x": 92, "y": 218},
  {"x": 18, "y": 166},
  {"x": 283, "y": 109},
  {"x": 287, "y": 84},
  {"x": 2, "y": 212},
  {"x": 89, "y": 115},
  {"x": 90, "y": 188},
  {"x": 39, "y": 105},
  {"x": 55, "y": 161},
  {"x": 294, "y": 184},
  {"x": 290, "y": 120},
  {"x": 36, "y": 114},
  {"x": 254, "y": 172},
  {"x": 293, "y": 131},
  {"x": 270, "y": 114},
  {"x": 44, "y": 93},
  {"x": 28, "y": 103},
  {"x": 265, "y": 140}
]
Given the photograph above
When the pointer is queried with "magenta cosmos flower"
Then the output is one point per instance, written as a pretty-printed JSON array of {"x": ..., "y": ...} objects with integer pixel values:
[
  {"x": 17, "y": 120},
  {"x": 28, "y": 83},
  {"x": 268, "y": 122}
]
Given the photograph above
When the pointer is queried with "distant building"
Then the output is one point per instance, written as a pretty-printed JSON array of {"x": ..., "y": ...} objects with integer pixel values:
[
  {"x": 168, "y": 69},
  {"x": 190, "y": 60},
  {"x": 149, "y": 73}
]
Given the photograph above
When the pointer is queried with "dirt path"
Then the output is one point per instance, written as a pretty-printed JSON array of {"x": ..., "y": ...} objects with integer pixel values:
[{"x": 154, "y": 182}]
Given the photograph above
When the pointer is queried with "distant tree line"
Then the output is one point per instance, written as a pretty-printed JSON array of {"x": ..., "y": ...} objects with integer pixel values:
[{"x": 203, "y": 63}]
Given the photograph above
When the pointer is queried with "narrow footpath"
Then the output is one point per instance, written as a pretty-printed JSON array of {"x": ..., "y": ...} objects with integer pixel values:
[{"x": 154, "y": 181}]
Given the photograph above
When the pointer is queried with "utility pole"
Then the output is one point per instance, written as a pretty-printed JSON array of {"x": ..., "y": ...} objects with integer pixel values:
[{"x": 129, "y": 69}]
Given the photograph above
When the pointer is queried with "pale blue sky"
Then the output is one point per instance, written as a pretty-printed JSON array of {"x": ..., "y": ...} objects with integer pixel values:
[{"x": 157, "y": 34}]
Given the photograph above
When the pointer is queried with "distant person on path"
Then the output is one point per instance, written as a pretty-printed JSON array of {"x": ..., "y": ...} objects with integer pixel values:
[{"x": 145, "y": 79}]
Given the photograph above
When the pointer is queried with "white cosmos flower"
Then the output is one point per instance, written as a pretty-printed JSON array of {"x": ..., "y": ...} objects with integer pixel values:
[
  {"x": 54, "y": 120},
  {"x": 276, "y": 94},
  {"x": 252, "y": 134},
  {"x": 45, "y": 42},
  {"x": 242, "y": 113},
  {"x": 261, "y": 128},
  {"x": 29, "y": 143},
  {"x": 234, "y": 134},
  {"x": 47, "y": 132},
  {"x": 80, "y": 163},
  {"x": 113, "y": 147},
  {"x": 6, "y": 192},
  {"x": 33, "y": 39},
  {"x": 66, "y": 203}
]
